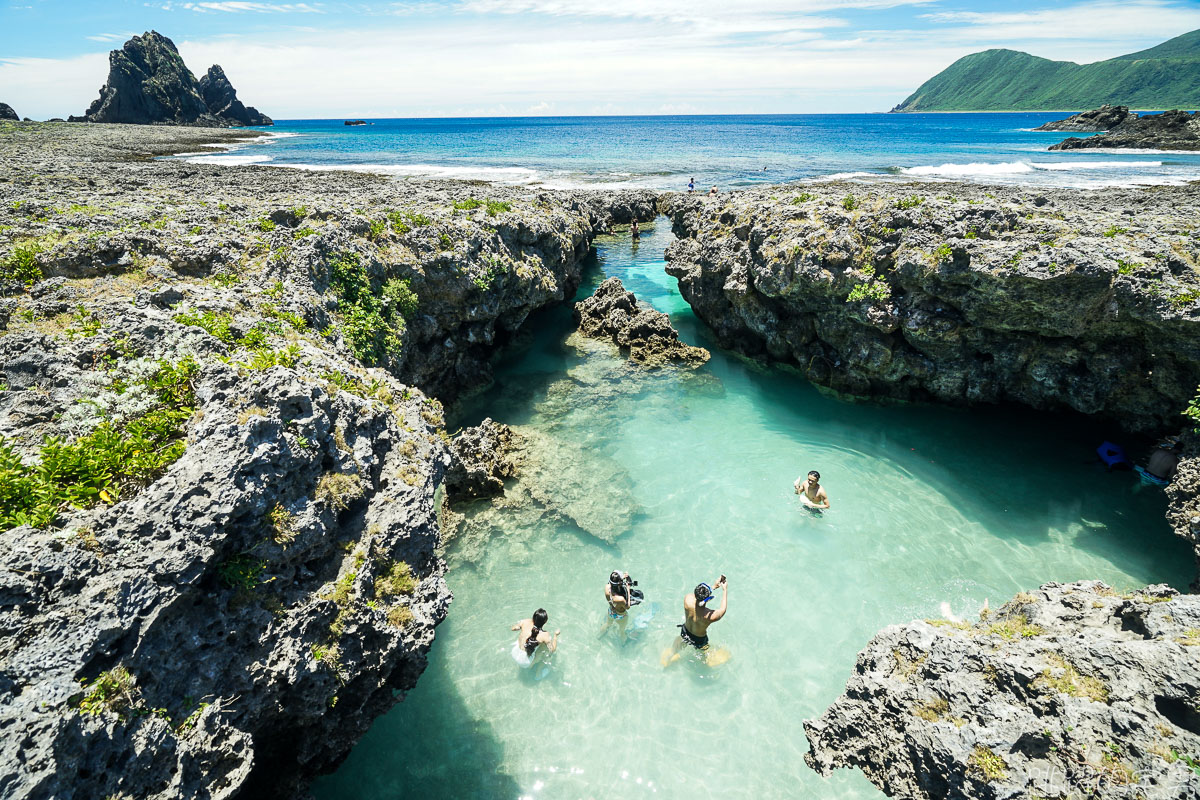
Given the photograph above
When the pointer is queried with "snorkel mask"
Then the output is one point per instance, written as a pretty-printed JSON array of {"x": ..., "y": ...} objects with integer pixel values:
[{"x": 703, "y": 593}]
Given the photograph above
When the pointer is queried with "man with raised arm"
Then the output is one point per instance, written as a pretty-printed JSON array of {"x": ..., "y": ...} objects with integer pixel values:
[{"x": 697, "y": 616}]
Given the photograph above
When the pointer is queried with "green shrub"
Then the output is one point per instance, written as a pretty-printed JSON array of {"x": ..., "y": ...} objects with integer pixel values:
[
  {"x": 242, "y": 573},
  {"x": 402, "y": 221},
  {"x": 22, "y": 264},
  {"x": 376, "y": 228},
  {"x": 495, "y": 207},
  {"x": 1125, "y": 267},
  {"x": 372, "y": 318},
  {"x": 468, "y": 204},
  {"x": 943, "y": 253},
  {"x": 1114, "y": 230},
  {"x": 98, "y": 467},
  {"x": 266, "y": 225},
  {"x": 398, "y": 579},
  {"x": 849, "y": 202},
  {"x": 112, "y": 691},
  {"x": 213, "y": 323},
  {"x": 265, "y": 358},
  {"x": 875, "y": 289},
  {"x": 300, "y": 233},
  {"x": 912, "y": 201},
  {"x": 803, "y": 197}
]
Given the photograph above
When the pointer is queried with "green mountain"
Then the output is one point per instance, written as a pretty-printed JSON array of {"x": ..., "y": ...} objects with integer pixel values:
[{"x": 1166, "y": 76}]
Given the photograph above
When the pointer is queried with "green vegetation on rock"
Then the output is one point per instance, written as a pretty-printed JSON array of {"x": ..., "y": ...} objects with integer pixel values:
[
  {"x": 97, "y": 467},
  {"x": 373, "y": 315},
  {"x": 1166, "y": 76}
]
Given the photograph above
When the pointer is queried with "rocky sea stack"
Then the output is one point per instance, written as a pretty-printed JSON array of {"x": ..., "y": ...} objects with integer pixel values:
[
  {"x": 1170, "y": 130},
  {"x": 148, "y": 84},
  {"x": 6, "y": 112}
]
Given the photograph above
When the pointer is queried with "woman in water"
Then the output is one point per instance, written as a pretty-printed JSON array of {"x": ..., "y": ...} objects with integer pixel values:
[{"x": 533, "y": 643}]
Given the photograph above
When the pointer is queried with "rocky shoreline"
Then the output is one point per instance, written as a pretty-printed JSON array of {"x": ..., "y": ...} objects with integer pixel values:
[
  {"x": 229, "y": 561},
  {"x": 228, "y": 612}
]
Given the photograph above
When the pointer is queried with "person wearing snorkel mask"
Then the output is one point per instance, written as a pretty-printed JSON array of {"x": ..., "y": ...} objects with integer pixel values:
[
  {"x": 616, "y": 592},
  {"x": 697, "y": 616}
]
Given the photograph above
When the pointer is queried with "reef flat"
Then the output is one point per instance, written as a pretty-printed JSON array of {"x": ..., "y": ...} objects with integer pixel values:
[{"x": 221, "y": 447}]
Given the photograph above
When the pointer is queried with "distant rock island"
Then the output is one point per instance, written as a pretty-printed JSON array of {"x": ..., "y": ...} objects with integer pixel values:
[
  {"x": 1104, "y": 118},
  {"x": 148, "y": 84},
  {"x": 1170, "y": 130},
  {"x": 1166, "y": 76}
]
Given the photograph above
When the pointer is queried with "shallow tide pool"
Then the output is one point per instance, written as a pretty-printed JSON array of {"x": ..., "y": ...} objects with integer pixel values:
[{"x": 931, "y": 506}]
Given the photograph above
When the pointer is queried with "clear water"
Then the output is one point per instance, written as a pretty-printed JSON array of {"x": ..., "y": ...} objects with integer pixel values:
[
  {"x": 930, "y": 506},
  {"x": 728, "y": 151}
]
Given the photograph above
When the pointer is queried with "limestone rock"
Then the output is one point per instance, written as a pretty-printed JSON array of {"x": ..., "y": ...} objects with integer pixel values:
[
  {"x": 1170, "y": 130},
  {"x": 6, "y": 112},
  {"x": 1069, "y": 691},
  {"x": 221, "y": 99},
  {"x": 1104, "y": 118},
  {"x": 963, "y": 294},
  {"x": 482, "y": 461},
  {"x": 612, "y": 314}
]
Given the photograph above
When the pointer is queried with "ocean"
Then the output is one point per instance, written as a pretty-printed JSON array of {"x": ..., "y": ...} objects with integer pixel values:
[{"x": 730, "y": 152}]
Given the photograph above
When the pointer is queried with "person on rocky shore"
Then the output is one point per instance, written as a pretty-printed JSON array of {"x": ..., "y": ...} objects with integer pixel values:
[
  {"x": 811, "y": 492},
  {"x": 533, "y": 643},
  {"x": 691, "y": 185},
  {"x": 697, "y": 616}
]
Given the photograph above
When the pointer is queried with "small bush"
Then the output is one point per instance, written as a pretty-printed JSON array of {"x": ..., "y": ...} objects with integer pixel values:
[
  {"x": 265, "y": 225},
  {"x": 112, "y": 691},
  {"x": 849, "y": 202},
  {"x": 398, "y": 579},
  {"x": 803, "y": 197},
  {"x": 877, "y": 290},
  {"x": 22, "y": 264},
  {"x": 912, "y": 201},
  {"x": 213, "y": 323},
  {"x": 943, "y": 253},
  {"x": 468, "y": 204},
  {"x": 265, "y": 358},
  {"x": 495, "y": 207},
  {"x": 399, "y": 294},
  {"x": 400, "y": 616},
  {"x": 370, "y": 326},
  {"x": 242, "y": 573},
  {"x": 338, "y": 490},
  {"x": 1114, "y": 230},
  {"x": 989, "y": 763},
  {"x": 282, "y": 524}
]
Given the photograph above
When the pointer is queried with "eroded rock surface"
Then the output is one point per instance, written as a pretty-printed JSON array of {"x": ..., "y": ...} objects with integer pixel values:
[
  {"x": 221, "y": 99},
  {"x": 6, "y": 112},
  {"x": 1104, "y": 118},
  {"x": 483, "y": 461},
  {"x": 231, "y": 621},
  {"x": 613, "y": 314},
  {"x": 960, "y": 294},
  {"x": 1070, "y": 691},
  {"x": 1170, "y": 130}
]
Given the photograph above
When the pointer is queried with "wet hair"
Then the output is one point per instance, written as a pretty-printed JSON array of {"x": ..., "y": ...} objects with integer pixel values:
[
  {"x": 702, "y": 592},
  {"x": 616, "y": 585},
  {"x": 814, "y": 475},
  {"x": 616, "y": 578},
  {"x": 539, "y": 618}
]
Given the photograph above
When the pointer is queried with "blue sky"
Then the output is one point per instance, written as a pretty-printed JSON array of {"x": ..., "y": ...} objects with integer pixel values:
[{"x": 537, "y": 57}]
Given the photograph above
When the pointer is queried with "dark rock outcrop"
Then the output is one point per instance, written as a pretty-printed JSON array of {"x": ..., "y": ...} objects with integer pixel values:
[
  {"x": 1069, "y": 691},
  {"x": 1104, "y": 118},
  {"x": 6, "y": 112},
  {"x": 1183, "y": 498},
  {"x": 482, "y": 461},
  {"x": 221, "y": 99},
  {"x": 613, "y": 314},
  {"x": 1056, "y": 301},
  {"x": 1170, "y": 130},
  {"x": 148, "y": 84}
]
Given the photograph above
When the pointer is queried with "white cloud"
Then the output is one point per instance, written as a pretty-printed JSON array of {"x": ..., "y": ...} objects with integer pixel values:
[
  {"x": 111, "y": 37},
  {"x": 41, "y": 88},
  {"x": 237, "y": 7}
]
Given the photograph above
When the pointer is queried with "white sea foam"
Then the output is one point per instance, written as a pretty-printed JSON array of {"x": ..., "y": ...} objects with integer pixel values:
[
  {"x": 230, "y": 159},
  {"x": 848, "y": 176}
]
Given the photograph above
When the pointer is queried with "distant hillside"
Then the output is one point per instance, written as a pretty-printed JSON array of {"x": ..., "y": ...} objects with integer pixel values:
[{"x": 1166, "y": 76}]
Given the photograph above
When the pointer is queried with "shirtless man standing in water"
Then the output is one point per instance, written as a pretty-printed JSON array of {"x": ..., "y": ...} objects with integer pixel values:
[
  {"x": 696, "y": 619},
  {"x": 811, "y": 492}
]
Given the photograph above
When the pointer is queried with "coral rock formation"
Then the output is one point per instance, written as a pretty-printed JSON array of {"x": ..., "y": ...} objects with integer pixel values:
[
  {"x": 1104, "y": 118},
  {"x": 1069, "y": 691},
  {"x": 1170, "y": 130},
  {"x": 613, "y": 314}
]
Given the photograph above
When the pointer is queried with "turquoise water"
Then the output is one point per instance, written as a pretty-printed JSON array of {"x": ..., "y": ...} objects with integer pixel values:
[
  {"x": 930, "y": 506},
  {"x": 731, "y": 151}
]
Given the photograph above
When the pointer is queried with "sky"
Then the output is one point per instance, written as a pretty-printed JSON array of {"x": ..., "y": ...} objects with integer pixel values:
[{"x": 314, "y": 60}]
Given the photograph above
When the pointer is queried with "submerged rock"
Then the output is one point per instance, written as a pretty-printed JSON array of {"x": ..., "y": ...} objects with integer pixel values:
[
  {"x": 1070, "y": 691},
  {"x": 613, "y": 314},
  {"x": 1104, "y": 118},
  {"x": 1170, "y": 130}
]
